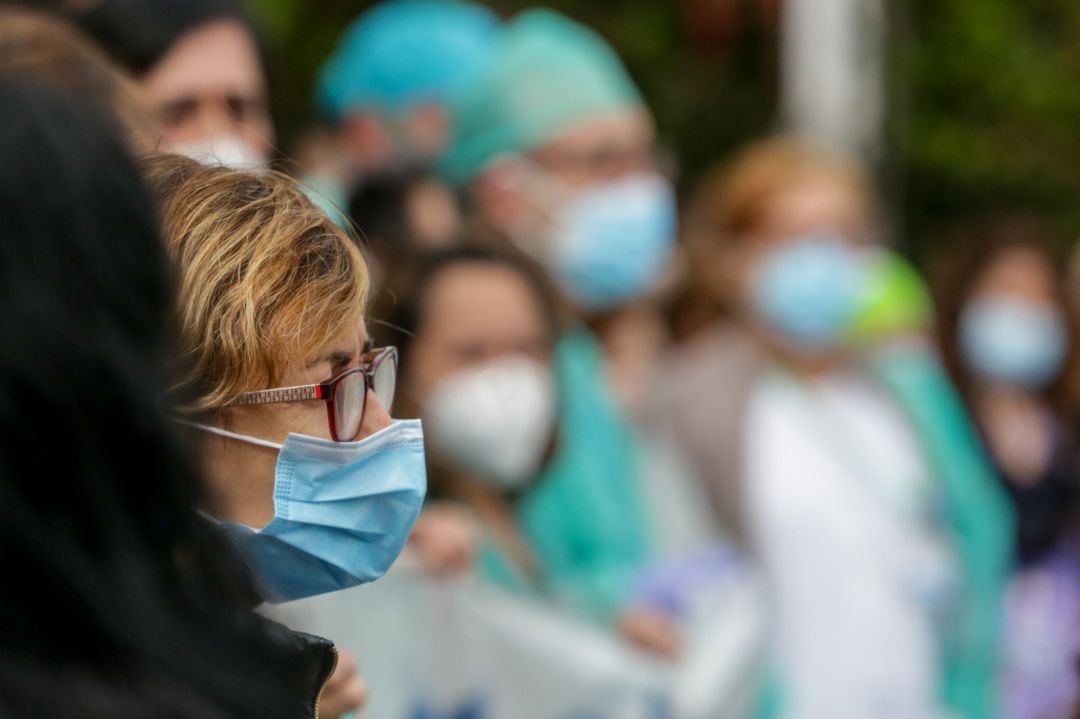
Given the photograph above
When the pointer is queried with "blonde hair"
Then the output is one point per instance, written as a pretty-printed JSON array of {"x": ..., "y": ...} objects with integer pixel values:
[
  {"x": 264, "y": 277},
  {"x": 49, "y": 50},
  {"x": 733, "y": 199}
]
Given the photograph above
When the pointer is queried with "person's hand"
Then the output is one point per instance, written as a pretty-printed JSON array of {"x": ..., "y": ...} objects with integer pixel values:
[
  {"x": 651, "y": 630},
  {"x": 344, "y": 691},
  {"x": 444, "y": 539}
]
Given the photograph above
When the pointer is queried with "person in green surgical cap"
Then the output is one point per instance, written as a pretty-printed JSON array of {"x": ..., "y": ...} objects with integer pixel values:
[{"x": 555, "y": 149}]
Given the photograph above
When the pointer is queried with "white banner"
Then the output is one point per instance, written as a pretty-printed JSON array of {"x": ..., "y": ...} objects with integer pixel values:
[{"x": 456, "y": 649}]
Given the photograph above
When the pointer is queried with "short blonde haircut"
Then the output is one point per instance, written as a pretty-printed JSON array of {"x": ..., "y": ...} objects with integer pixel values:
[{"x": 264, "y": 277}]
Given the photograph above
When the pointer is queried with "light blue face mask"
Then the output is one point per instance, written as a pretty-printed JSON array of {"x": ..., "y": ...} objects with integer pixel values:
[
  {"x": 606, "y": 244},
  {"x": 808, "y": 290},
  {"x": 613, "y": 241},
  {"x": 342, "y": 510},
  {"x": 1013, "y": 341}
]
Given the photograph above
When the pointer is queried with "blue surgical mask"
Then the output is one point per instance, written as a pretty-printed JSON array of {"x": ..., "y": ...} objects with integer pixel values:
[
  {"x": 1014, "y": 341},
  {"x": 612, "y": 242},
  {"x": 606, "y": 244},
  {"x": 808, "y": 290},
  {"x": 342, "y": 510}
]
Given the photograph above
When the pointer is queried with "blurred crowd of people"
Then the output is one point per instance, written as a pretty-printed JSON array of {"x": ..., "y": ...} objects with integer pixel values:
[{"x": 602, "y": 391}]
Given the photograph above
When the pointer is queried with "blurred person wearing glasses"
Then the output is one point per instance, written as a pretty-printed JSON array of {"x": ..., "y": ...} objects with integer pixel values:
[
  {"x": 285, "y": 395},
  {"x": 554, "y": 148},
  {"x": 1008, "y": 336},
  {"x": 849, "y": 471}
]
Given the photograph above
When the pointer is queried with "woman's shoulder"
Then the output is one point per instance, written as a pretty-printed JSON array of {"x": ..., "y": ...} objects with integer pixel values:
[{"x": 719, "y": 361}]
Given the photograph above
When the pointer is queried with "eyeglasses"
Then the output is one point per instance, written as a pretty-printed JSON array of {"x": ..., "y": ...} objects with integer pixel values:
[
  {"x": 345, "y": 395},
  {"x": 606, "y": 162}
]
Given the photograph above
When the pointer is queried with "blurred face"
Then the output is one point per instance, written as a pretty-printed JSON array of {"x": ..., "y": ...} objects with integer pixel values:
[
  {"x": 479, "y": 374},
  {"x": 373, "y": 141},
  {"x": 795, "y": 274},
  {"x": 433, "y": 215},
  {"x": 241, "y": 475},
  {"x": 211, "y": 85},
  {"x": 811, "y": 206},
  {"x": 590, "y": 205},
  {"x": 1013, "y": 333},
  {"x": 600, "y": 149},
  {"x": 593, "y": 152},
  {"x": 1021, "y": 273},
  {"x": 474, "y": 313}
]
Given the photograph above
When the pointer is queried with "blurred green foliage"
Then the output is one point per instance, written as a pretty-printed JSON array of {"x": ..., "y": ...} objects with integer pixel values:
[
  {"x": 985, "y": 94},
  {"x": 708, "y": 97},
  {"x": 987, "y": 110}
]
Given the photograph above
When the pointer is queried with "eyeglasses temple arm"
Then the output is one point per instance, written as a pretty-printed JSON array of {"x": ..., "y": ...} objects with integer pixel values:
[{"x": 283, "y": 394}]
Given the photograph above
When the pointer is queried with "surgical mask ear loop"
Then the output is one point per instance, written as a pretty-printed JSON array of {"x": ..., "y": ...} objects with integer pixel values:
[
  {"x": 537, "y": 188},
  {"x": 230, "y": 435},
  {"x": 537, "y": 181}
]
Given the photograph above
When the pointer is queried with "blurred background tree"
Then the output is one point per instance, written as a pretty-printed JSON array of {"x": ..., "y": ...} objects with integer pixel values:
[
  {"x": 984, "y": 94},
  {"x": 986, "y": 99}
]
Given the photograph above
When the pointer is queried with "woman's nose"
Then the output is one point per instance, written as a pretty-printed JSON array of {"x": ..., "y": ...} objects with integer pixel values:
[{"x": 376, "y": 417}]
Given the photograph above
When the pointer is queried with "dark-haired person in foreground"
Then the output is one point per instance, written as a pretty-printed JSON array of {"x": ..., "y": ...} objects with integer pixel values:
[{"x": 118, "y": 600}]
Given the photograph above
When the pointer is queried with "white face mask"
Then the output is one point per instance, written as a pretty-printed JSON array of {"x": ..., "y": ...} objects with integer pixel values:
[
  {"x": 494, "y": 421},
  {"x": 224, "y": 151}
]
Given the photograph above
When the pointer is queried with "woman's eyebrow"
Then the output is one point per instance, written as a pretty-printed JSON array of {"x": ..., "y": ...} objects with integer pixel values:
[{"x": 336, "y": 358}]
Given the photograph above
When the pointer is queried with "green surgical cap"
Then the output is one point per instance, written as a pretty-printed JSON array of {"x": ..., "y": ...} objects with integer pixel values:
[{"x": 546, "y": 74}]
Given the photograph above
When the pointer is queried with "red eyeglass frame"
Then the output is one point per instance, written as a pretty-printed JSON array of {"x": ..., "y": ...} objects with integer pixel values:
[{"x": 370, "y": 361}]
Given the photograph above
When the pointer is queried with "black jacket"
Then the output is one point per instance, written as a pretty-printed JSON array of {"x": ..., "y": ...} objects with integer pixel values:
[{"x": 311, "y": 659}]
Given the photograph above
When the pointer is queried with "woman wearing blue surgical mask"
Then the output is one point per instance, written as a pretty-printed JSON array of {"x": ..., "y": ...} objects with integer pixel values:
[
  {"x": 282, "y": 389},
  {"x": 1009, "y": 338},
  {"x": 852, "y": 479}
]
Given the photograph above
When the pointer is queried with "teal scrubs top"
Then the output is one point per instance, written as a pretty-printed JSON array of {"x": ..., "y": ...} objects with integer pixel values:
[{"x": 582, "y": 518}]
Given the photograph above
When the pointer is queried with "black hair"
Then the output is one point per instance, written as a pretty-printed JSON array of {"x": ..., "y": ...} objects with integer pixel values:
[
  {"x": 137, "y": 34},
  {"x": 399, "y": 308},
  {"x": 1045, "y": 510},
  {"x": 399, "y": 314},
  {"x": 969, "y": 251},
  {"x": 378, "y": 205},
  {"x": 118, "y": 600}
]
